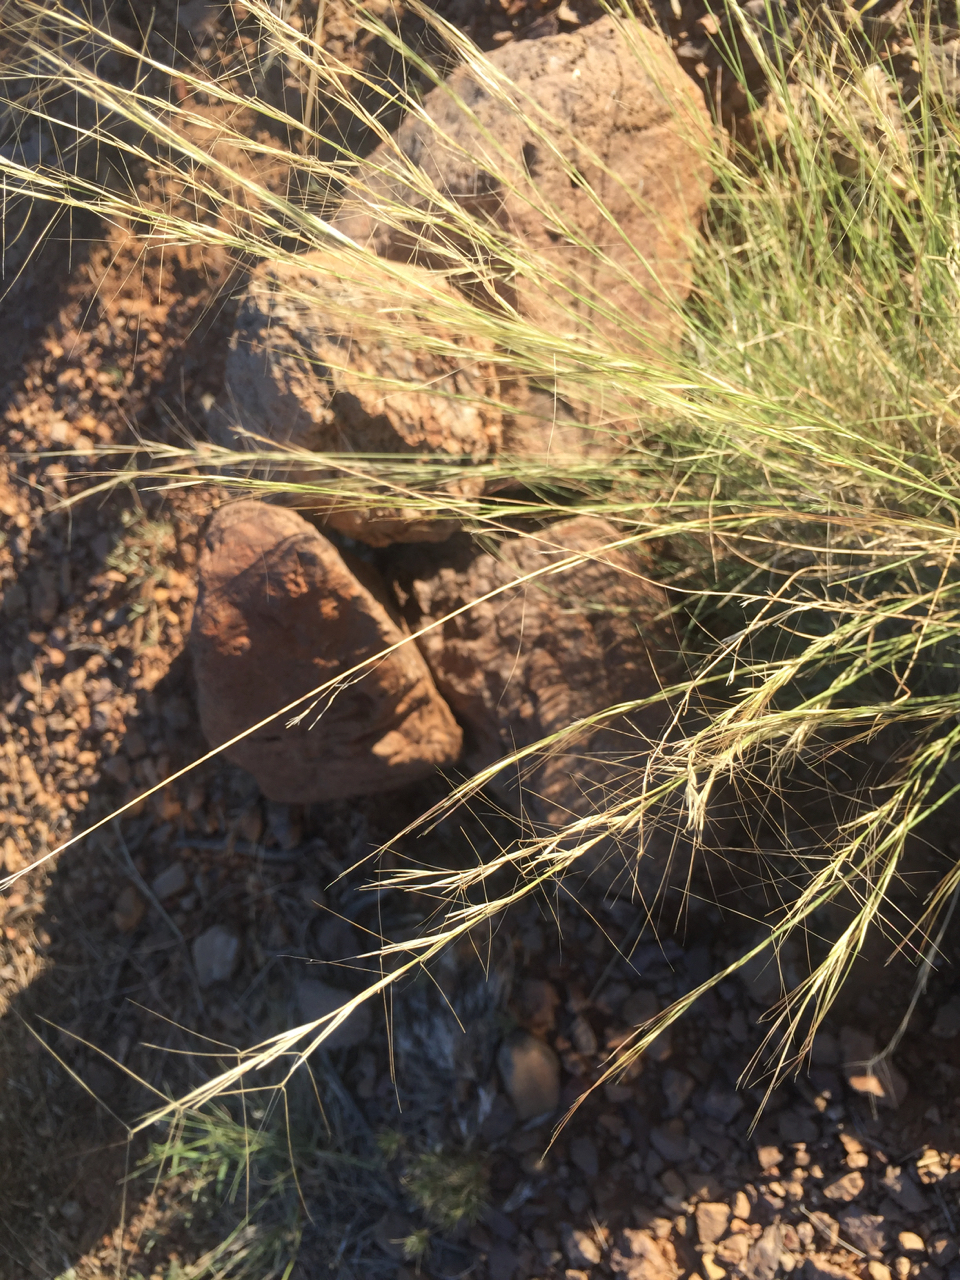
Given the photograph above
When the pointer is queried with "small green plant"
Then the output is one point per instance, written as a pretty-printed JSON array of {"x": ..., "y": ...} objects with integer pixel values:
[{"x": 448, "y": 1188}]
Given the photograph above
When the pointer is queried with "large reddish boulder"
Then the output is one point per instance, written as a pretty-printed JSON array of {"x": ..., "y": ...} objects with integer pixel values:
[
  {"x": 327, "y": 359},
  {"x": 535, "y": 658},
  {"x": 590, "y": 149},
  {"x": 280, "y": 612}
]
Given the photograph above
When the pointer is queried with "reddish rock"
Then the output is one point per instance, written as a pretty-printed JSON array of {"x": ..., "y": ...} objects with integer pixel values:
[
  {"x": 615, "y": 118},
  {"x": 280, "y": 612},
  {"x": 334, "y": 362},
  {"x": 537, "y": 657},
  {"x": 637, "y": 1256}
]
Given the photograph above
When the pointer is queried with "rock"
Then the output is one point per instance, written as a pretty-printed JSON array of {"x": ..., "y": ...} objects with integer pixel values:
[
  {"x": 732, "y": 1252},
  {"x": 881, "y": 1081},
  {"x": 536, "y": 658},
  {"x": 910, "y": 1242},
  {"x": 129, "y": 909},
  {"x": 326, "y": 360},
  {"x": 712, "y": 1221},
  {"x": 584, "y": 1154},
  {"x": 611, "y": 91},
  {"x": 215, "y": 955},
  {"x": 763, "y": 1260},
  {"x": 580, "y": 1247},
  {"x": 677, "y": 1087},
  {"x": 637, "y": 1256},
  {"x": 279, "y": 612},
  {"x": 943, "y": 1249},
  {"x": 819, "y": 1267},
  {"x": 671, "y": 1142},
  {"x": 640, "y": 1007},
  {"x": 846, "y": 1188},
  {"x": 536, "y": 1005},
  {"x": 530, "y": 1072},
  {"x": 769, "y": 1157},
  {"x": 902, "y": 1189},
  {"x": 794, "y": 1126},
  {"x": 721, "y": 1103},
  {"x": 877, "y": 1271},
  {"x": 867, "y": 1231},
  {"x": 947, "y": 1022},
  {"x": 742, "y": 1207},
  {"x": 171, "y": 882},
  {"x": 316, "y": 999}
]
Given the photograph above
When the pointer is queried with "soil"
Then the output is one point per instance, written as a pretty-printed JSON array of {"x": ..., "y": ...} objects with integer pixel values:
[{"x": 103, "y": 339}]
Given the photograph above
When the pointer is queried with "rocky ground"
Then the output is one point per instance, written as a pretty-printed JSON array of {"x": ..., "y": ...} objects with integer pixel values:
[{"x": 209, "y": 917}]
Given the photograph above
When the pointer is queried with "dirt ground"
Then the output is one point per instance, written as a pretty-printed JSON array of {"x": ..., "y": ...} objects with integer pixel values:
[{"x": 102, "y": 1009}]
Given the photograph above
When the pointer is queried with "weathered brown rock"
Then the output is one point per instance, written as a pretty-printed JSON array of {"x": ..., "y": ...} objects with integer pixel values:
[
  {"x": 325, "y": 360},
  {"x": 279, "y": 612},
  {"x": 616, "y": 118},
  {"x": 541, "y": 655}
]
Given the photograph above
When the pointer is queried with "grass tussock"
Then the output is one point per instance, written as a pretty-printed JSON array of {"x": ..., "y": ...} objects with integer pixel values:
[{"x": 797, "y": 452}]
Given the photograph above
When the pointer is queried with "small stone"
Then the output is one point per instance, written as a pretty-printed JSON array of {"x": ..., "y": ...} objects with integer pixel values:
[
  {"x": 671, "y": 1142},
  {"x": 570, "y": 1274},
  {"x": 733, "y": 1251},
  {"x": 819, "y": 1267},
  {"x": 794, "y": 1126},
  {"x": 947, "y": 1022},
  {"x": 128, "y": 910},
  {"x": 712, "y": 1221},
  {"x": 640, "y": 1007},
  {"x": 583, "y": 1153},
  {"x": 677, "y": 1088},
  {"x": 866, "y": 1231},
  {"x": 769, "y": 1157},
  {"x": 877, "y": 1271},
  {"x": 637, "y": 1256},
  {"x": 215, "y": 955},
  {"x": 317, "y": 999},
  {"x": 881, "y": 1081},
  {"x": 942, "y": 1248},
  {"x": 70, "y": 1209},
  {"x": 763, "y": 1260},
  {"x": 530, "y": 1072},
  {"x": 117, "y": 768},
  {"x": 846, "y": 1188},
  {"x": 583, "y": 1036},
  {"x": 902, "y": 1188},
  {"x": 711, "y": 1269},
  {"x": 721, "y": 1103},
  {"x": 580, "y": 1247},
  {"x": 742, "y": 1207},
  {"x": 171, "y": 882},
  {"x": 826, "y": 1227},
  {"x": 902, "y": 1268},
  {"x": 536, "y": 1005},
  {"x": 910, "y": 1242}
]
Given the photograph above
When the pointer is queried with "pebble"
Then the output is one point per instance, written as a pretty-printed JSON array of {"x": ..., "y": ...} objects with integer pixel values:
[
  {"x": 733, "y": 1251},
  {"x": 742, "y": 1207},
  {"x": 530, "y": 1071},
  {"x": 769, "y": 1157},
  {"x": 947, "y": 1022},
  {"x": 866, "y": 1231},
  {"x": 763, "y": 1260},
  {"x": 583, "y": 1153},
  {"x": 878, "y": 1271},
  {"x": 846, "y": 1188},
  {"x": 943, "y": 1249},
  {"x": 910, "y": 1242},
  {"x": 637, "y": 1256},
  {"x": 128, "y": 910},
  {"x": 316, "y": 999},
  {"x": 583, "y": 1036},
  {"x": 721, "y": 1104},
  {"x": 677, "y": 1088},
  {"x": 171, "y": 882},
  {"x": 712, "y": 1221},
  {"x": 640, "y": 1007},
  {"x": 580, "y": 1247},
  {"x": 902, "y": 1188},
  {"x": 671, "y": 1142},
  {"x": 884, "y": 1083},
  {"x": 215, "y": 955},
  {"x": 819, "y": 1267}
]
